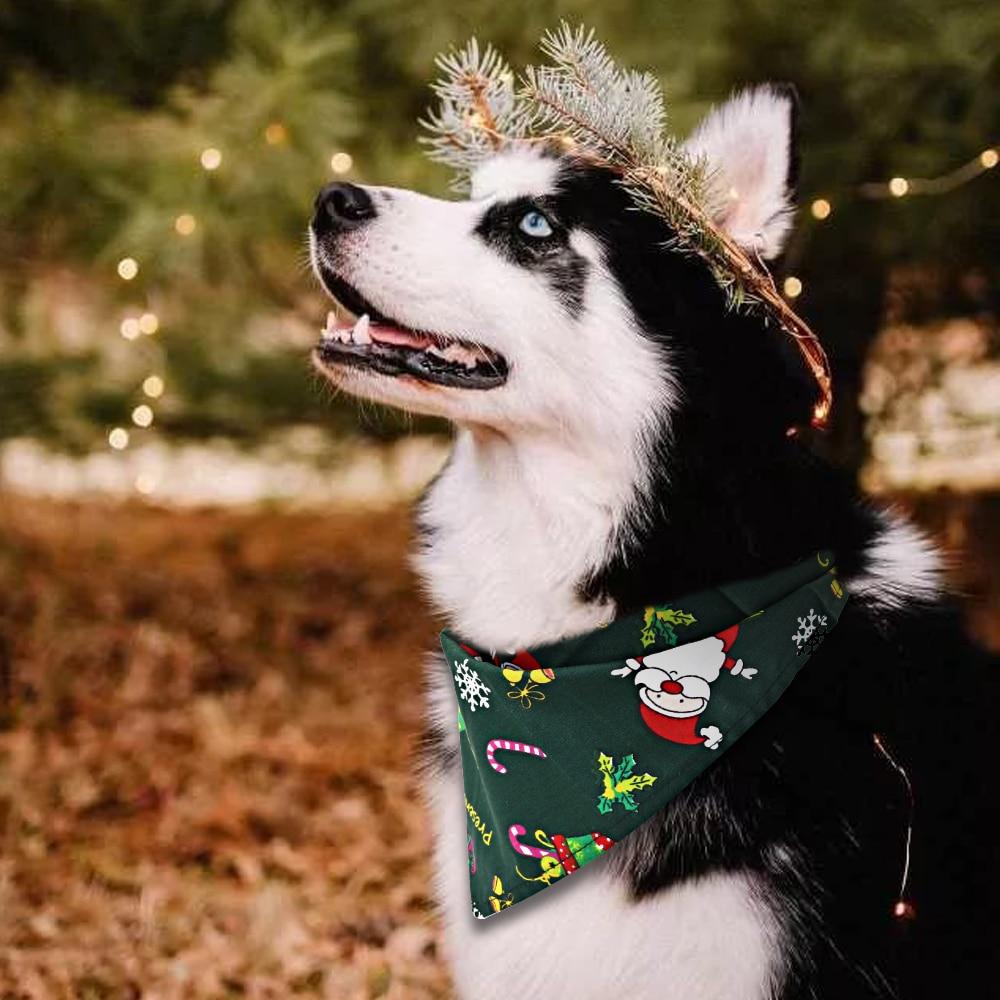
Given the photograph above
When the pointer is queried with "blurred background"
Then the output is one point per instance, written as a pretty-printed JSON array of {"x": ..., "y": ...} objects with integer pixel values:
[{"x": 208, "y": 700}]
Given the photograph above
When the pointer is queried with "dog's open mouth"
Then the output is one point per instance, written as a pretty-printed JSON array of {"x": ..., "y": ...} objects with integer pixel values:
[{"x": 357, "y": 335}]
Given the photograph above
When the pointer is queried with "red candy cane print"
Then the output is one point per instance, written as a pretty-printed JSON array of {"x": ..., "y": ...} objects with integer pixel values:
[
  {"x": 515, "y": 831},
  {"x": 495, "y": 745}
]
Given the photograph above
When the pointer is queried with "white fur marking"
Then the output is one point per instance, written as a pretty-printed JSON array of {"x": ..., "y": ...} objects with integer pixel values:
[
  {"x": 746, "y": 141},
  {"x": 903, "y": 566},
  {"x": 514, "y": 173}
]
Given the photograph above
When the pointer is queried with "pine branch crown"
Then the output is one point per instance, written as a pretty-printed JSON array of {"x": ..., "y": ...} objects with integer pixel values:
[{"x": 584, "y": 103}]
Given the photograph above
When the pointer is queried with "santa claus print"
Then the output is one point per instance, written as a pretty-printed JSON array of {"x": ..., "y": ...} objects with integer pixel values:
[{"x": 675, "y": 686}]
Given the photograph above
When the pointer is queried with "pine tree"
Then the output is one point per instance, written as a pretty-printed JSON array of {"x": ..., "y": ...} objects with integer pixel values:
[{"x": 107, "y": 105}]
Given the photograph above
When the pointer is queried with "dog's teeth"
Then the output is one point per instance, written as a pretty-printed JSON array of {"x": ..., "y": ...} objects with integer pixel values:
[
  {"x": 455, "y": 353},
  {"x": 360, "y": 334},
  {"x": 460, "y": 355},
  {"x": 328, "y": 331}
]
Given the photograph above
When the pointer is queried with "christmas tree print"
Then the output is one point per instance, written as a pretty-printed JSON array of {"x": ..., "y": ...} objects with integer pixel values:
[
  {"x": 620, "y": 783},
  {"x": 658, "y": 623}
]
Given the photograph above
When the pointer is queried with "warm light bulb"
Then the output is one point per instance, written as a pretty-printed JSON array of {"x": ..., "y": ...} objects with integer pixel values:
[
  {"x": 149, "y": 323},
  {"x": 130, "y": 328},
  {"x": 275, "y": 134},
  {"x": 128, "y": 268},
  {"x": 898, "y": 186},
  {"x": 118, "y": 438},
  {"x": 185, "y": 224},
  {"x": 145, "y": 483},
  {"x": 142, "y": 415},
  {"x": 821, "y": 209},
  {"x": 989, "y": 158},
  {"x": 340, "y": 163},
  {"x": 153, "y": 386},
  {"x": 211, "y": 158},
  {"x": 792, "y": 287}
]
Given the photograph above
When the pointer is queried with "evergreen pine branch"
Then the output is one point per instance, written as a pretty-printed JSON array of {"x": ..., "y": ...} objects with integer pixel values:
[
  {"x": 582, "y": 99},
  {"x": 478, "y": 109}
]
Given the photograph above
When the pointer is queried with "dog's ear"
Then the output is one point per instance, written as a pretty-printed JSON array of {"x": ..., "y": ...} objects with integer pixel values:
[{"x": 748, "y": 146}]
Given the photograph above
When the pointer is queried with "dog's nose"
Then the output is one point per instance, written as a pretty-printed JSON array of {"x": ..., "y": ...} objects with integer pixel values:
[
  {"x": 671, "y": 687},
  {"x": 342, "y": 206}
]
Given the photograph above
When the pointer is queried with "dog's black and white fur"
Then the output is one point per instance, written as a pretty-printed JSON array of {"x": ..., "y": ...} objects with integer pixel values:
[{"x": 622, "y": 437}]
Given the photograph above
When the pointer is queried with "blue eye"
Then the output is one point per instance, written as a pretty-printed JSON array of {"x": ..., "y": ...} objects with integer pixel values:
[{"x": 535, "y": 224}]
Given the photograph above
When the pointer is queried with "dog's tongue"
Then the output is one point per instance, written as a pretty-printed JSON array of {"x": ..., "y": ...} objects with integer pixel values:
[{"x": 402, "y": 338}]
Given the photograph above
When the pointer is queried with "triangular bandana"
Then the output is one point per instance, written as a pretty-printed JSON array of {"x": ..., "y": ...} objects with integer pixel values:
[{"x": 568, "y": 747}]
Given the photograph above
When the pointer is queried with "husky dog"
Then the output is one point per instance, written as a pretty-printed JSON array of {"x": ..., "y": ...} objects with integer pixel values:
[{"x": 621, "y": 437}]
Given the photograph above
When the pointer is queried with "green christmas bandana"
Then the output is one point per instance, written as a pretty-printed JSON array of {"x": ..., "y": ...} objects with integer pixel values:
[{"x": 569, "y": 746}]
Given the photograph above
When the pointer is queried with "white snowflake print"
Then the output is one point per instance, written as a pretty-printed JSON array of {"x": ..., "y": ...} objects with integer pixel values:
[
  {"x": 471, "y": 689},
  {"x": 807, "y": 626}
]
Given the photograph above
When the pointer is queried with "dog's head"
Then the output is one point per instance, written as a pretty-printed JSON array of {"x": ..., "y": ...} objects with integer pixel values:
[{"x": 547, "y": 300}]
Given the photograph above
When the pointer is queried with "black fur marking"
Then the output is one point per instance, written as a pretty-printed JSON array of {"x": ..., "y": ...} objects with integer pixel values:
[
  {"x": 563, "y": 268},
  {"x": 802, "y": 801},
  {"x": 791, "y": 94},
  {"x": 802, "y": 804}
]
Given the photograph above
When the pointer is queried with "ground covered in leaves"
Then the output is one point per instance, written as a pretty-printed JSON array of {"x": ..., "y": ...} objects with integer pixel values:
[{"x": 207, "y": 727}]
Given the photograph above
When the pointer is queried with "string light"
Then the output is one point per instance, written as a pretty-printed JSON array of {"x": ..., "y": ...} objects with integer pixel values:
[
  {"x": 149, "y": 323},
  {"x": 275, "y": 134},
  {"x": 898, "y": 187},
  {"x": 185, "y": 224},
  {"x": 340, "y": 163},
  {"x": 902, "y": 908},
  {"x": 901, "y": 187},
  {"x": 153, "y": 386},
  {"x": 128, "y": 268},
  {"x": 211, "y": 158},
  {"x": 792, "y": 287},
  {"x": 142, "y": 415},
  {"x": 821, "y": 209},
  {"x": 118, "y": 438},
  {"x": 130, "y": 328}
]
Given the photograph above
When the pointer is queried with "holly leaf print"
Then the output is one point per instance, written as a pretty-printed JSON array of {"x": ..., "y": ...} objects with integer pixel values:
[
  {"x": 666, "y": 633},
  {"x": 660, "y": 622},
  {"x": 619, "y": 783},
  {"x": 624, "y": 768},
  {"x": 634, "y": 783},
  {"x": 675, "y": 617}
]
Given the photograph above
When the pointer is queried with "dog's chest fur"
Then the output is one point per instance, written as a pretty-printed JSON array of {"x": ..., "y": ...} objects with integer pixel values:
[{"x": 504, "y": 550}]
